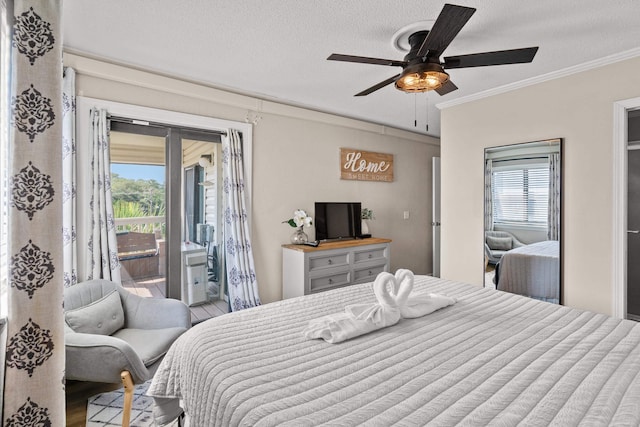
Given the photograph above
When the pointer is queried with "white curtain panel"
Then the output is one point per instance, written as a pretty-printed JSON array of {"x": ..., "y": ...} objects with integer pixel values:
[
  {"x": 553, "y": 232},
  {"x": 102, "y": 247},
  {"x": 241, "y": 276},
  {"x": 488, "y": 198},
  {"x": 70, "y": 255},
  {"x": 34, "y": 382}
]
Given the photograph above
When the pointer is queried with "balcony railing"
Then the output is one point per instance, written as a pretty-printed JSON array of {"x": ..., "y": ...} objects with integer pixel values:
[{"x": 143, "y": 224}]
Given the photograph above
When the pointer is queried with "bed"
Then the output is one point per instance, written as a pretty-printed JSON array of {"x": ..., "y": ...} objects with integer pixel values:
[
  {"x": 492, "y": 358},
  {"x": 531, "y": 270}
]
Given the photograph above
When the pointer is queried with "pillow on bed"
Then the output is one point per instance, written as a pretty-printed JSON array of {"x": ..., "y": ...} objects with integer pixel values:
[
  {"x": 101, "y": 317},
  {"x": 499, "y": 243}
]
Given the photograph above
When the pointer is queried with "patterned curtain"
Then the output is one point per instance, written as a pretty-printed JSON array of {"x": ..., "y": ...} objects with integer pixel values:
[
  {"x": 241, "y": 276},
  {"x": 102, "y": 261},
  {"x": 553, "y": 233},
  {"x": 488, "y": 196},
  {"x": 35, "y": 347},
  {"x": 70, "y": 255}
]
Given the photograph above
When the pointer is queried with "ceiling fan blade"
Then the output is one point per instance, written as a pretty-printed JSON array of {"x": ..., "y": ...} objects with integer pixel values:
[
  {"x": 500, "y": 57},
  {"x": 444, "y": 30},
  {"x": 365, "y": 60},
  {"x": 446, "y": 88},
  {"x": 378, "y": 86}
]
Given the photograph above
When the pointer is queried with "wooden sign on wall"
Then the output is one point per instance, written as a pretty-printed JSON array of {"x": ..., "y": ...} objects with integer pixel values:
[{"x": 365, "y": 165}]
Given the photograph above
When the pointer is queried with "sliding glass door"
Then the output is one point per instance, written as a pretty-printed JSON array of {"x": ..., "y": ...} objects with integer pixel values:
[{"x": 168, "y": 182}]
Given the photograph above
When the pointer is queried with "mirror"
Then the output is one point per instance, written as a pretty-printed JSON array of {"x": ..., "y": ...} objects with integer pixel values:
[{"x": 522, "y": 219}]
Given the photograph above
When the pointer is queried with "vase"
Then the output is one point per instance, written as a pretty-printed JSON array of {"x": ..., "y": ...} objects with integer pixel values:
[
  {"x": 299, "y": 237},
  {"x": 364, "y": 228}
]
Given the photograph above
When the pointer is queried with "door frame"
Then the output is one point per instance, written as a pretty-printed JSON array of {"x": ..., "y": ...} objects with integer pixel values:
[
  {"x": 141, "y": 114},
  {"x": 619, "y": 223},
  {"x": 435, "y": 214}
]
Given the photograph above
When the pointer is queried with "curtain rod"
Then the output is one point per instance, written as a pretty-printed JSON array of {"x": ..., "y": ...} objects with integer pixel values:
[{"x": 131, "y": 121}]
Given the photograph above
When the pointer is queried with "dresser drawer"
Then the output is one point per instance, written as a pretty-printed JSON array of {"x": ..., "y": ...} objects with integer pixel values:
[
  {"x": 371, "y": 254},
  {"x": 319, "y": 262},
  {"x": 368, "y": 274},
  {"x": 317, "y": 284}
]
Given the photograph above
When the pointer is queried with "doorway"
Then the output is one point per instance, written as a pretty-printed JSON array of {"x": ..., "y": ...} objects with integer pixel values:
[
  {"x": 621, "y": 110},
  {"x": 633, "y": 216},
  {"x": 435, "y": 218},
  {"x": 174, "y": 169},
  {"x": 167, "y": 219}
]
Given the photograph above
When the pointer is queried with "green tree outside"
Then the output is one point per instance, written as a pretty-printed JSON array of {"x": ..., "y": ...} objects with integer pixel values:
[{"x": 134, "y": 198}]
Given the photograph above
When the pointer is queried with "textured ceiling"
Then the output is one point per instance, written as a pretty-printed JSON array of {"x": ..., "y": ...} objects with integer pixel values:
[{"x": 277, "y": 49}]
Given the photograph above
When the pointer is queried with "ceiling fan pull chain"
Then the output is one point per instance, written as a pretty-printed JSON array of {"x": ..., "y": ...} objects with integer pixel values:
[
  {"x": 415, "y": 110},
  {"x": 427, "y": 125}
]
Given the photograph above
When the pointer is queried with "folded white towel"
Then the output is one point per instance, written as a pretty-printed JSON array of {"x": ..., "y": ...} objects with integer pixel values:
[
  {"x": 417, "y": 305},
  {"x": 360, "y": 319}
]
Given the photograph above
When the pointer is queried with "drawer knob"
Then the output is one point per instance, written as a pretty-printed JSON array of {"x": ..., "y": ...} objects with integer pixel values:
[
  {"x": 370, "y": 273},
  {"x": 330, "y": 262},
  {"x": 330, "y": 281},
  {"x": 370, "y": 256}
]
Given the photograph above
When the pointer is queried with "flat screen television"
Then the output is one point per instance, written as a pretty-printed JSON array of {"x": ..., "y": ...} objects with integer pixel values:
[{"x": 337, "y": 220}]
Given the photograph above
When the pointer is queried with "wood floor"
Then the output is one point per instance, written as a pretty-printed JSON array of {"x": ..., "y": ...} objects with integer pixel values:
[
  {"x": 77, "y": 395},
  {"x": 78, "y": 392},
  {"x": 489, "y": 273}
]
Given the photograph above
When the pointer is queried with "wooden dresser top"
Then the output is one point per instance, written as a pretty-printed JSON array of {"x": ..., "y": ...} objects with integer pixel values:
[{"x": 338, "y": 244}]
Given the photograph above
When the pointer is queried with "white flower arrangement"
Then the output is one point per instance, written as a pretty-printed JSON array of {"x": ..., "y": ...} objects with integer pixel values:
[
  {"x": 300, "y": 219},
  {"x": 366, "y": 213}
]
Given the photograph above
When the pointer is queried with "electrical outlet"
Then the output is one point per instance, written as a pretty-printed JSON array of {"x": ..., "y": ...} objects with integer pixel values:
[{"x": 406, "y": 215}]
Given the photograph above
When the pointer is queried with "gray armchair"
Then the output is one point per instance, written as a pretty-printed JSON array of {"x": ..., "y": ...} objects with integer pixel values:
[
  {"x": 496, "y": 243},
  {"x": 112, "y": 335}
]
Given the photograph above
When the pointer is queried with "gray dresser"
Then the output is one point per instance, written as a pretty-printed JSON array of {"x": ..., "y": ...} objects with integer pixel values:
[{"x": 307, "y": 269}]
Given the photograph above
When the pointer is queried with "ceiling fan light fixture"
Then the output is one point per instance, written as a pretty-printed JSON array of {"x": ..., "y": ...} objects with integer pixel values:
[{"x": 422, "y": 78}]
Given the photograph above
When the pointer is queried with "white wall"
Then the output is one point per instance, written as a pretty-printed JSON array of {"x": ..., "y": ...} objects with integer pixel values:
[
  {"x": 295, "y": 163},
  {"x": 577, "y": 108}
]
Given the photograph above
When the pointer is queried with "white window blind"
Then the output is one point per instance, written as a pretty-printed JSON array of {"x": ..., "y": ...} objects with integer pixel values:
[{"x": 521, "y": 196}]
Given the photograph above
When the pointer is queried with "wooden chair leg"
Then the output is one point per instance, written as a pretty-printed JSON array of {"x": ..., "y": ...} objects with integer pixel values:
[{"x": 127, "y": 381}]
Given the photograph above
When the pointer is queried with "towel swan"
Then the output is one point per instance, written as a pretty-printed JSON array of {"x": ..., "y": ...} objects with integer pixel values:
[{"x": 360, "y": 319}]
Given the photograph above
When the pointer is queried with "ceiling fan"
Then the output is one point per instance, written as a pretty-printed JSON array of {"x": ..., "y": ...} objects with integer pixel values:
[{"x": 422, "y": 69}]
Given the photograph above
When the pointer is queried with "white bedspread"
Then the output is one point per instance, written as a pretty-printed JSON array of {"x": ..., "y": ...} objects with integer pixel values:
[
  {"x": 493, "y": 358},
  {"x": 532, "y": 270}
]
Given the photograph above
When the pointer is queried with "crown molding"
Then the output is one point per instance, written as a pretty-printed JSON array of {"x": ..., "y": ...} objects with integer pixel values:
[
  {"x": 586, "y": 66},
  {"x": 110, "y": 70}
]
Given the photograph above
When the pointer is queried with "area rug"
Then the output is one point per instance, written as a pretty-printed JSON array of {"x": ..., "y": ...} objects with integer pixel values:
[{"x": 106, "y": 409}]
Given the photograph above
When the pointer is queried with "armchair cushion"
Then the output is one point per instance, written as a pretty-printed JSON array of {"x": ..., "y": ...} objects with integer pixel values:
[
  {"x": 150, "y": 344},
  {"x": 101, "y": 317},
  {"x": 101, "y": 358},
  {"x": 500, "y": 243}
]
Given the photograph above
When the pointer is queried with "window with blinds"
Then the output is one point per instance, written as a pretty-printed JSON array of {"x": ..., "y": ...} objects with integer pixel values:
[{"x": 521, "y": 196}]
